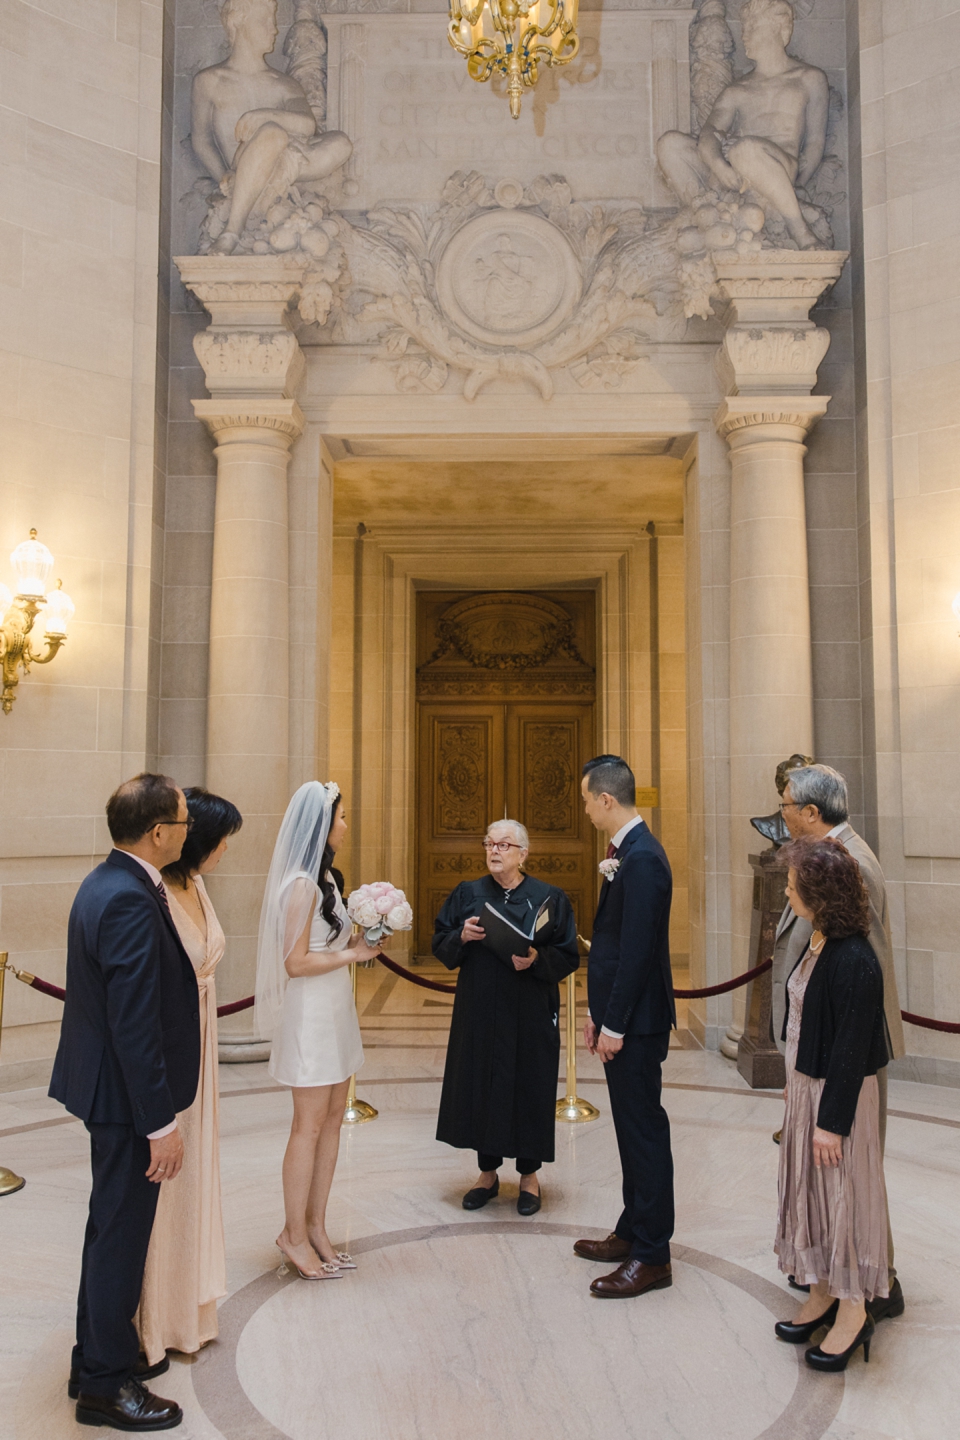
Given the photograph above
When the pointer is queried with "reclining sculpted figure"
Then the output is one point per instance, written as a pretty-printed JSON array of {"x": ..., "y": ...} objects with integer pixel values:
[
  {"x": 255, "y": 123},
  {"x": 766, "y": 133}
]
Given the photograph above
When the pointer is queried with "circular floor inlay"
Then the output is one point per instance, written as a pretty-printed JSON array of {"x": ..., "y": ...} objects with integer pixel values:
[{"x": 430, "y": 1340}]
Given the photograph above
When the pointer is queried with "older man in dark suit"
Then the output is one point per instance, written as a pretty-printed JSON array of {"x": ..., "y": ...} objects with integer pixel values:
[
  {"x": 630, "y": 994},
  {"x": 128, "y": 1061}
]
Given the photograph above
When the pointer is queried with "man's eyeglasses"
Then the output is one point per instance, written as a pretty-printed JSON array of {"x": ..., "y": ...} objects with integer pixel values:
[
  {"x": 788, "y": 805},
  {"x": 501, "y": 845},
  {"x": 188, "y": 822}
]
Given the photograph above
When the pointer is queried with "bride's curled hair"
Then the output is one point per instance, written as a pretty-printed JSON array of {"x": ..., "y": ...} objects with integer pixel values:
[{"x": 330, "y": 879}]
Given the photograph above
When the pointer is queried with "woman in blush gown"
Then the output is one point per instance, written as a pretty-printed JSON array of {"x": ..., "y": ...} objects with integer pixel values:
[
  {"x": 185, "y": 1274},
  {"x": 305, "y": 1004}
]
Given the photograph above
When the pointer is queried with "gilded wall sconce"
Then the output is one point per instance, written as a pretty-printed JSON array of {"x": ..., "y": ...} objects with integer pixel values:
[
  {"x": 32, "y": 564},
  {"x": 513, "y": 38}
]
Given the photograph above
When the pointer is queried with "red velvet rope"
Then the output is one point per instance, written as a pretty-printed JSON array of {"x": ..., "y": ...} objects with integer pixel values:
[{"x": 945, "y": 1026}]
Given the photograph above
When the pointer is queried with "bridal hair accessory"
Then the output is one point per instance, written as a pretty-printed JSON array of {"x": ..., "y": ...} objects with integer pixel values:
[
  {"x": 332, "y": 790},
  {"x": 379, "y": 909},
  {"x": 609, "y": 868}
]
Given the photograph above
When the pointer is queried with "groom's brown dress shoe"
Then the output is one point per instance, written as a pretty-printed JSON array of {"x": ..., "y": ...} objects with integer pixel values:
[
  {"x": 609, "y": 1250},
  {"x": 632, "y": 1278},
  {"x": 132, "y": 1408}
]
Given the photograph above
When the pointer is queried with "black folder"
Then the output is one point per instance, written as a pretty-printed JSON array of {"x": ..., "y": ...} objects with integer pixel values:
[{"x": 505, "y": 938}]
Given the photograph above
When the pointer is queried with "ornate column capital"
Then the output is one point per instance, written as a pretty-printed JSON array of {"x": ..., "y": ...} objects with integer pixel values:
[
  {"x": 264, "y": 419},
  {"x": 248, "y": 348},
  {"x": 751, "y": 419},
  {"x": 771, "y": 346}
]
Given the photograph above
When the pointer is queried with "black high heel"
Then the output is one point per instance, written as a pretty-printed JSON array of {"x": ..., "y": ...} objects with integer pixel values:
[
  {"x": 817, "y": 1360},
  {"x": 799, "y": 1334}
]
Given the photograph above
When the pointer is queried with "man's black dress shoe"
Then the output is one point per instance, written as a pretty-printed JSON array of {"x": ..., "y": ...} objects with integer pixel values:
[
  {"x": 476, "y": 1199},
  {"x": 528, "y": 1203},
  {"x": 887, "y": 1307},
  {"x": 132, "y": 1408},
  {"x": 142, "y": 1371}
]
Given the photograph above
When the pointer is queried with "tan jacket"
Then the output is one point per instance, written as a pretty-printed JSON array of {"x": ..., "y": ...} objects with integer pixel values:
[{"x": 794, "y": 933}]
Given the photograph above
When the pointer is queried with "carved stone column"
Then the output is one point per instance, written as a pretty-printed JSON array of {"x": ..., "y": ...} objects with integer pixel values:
[
  {"x": 252, "y": 364},
  {"x": 768, "y": 363}
]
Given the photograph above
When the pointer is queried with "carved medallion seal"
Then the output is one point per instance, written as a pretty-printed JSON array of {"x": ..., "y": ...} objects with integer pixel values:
[{"x": 508, "y": 278}]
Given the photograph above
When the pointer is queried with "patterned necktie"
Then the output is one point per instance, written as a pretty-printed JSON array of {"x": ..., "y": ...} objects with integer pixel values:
[
  {"x": 161, "y": 891},
  {"x": 611, "y": 851}
]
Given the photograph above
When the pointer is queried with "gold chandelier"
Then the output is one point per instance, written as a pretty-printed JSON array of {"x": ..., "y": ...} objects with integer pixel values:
[{"x": 513, "y": 37}]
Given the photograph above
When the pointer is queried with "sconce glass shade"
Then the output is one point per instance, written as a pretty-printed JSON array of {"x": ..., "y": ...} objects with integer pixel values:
[
  {"x": 58, "y": 612},
  {"x": 6, "y": 599},
  {"x": 32, "y": 563}
]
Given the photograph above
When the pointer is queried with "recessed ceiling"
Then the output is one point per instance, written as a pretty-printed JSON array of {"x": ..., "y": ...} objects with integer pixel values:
[{"x": 471, "y": 448}]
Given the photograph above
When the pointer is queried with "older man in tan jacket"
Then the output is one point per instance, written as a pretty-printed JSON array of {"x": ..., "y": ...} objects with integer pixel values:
[{"x": 814, "y": 807}]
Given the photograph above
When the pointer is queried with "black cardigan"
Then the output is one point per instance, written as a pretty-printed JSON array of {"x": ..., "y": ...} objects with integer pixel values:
[{"x": 843, "y": 1031}]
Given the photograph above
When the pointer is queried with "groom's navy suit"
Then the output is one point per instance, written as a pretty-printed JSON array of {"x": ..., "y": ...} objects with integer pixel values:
[
  {"x": 630, "y": 991},
  {"x": 128, "y": 1061}
]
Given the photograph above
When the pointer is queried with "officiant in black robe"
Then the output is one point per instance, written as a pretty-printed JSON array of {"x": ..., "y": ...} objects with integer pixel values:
[{"x": 500, "y": 1081}]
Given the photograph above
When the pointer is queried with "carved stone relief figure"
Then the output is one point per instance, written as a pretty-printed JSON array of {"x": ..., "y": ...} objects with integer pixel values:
[
  {"x": 763, "y": 140},
  {"x": 256, "y": 134}
]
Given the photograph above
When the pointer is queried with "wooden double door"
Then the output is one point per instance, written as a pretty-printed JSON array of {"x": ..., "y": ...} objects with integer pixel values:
[{"x": 480, "y": 760}]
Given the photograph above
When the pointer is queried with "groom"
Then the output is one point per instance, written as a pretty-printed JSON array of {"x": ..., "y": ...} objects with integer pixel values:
[{"x": 630, "y": 993}]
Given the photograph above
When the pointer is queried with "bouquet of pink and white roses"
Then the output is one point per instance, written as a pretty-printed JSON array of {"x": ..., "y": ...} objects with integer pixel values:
[{"x": 379, "y": 909}]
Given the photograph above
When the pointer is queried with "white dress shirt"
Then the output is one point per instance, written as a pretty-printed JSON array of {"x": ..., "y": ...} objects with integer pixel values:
[
  {"x": 157, "y": 880},
  {"x": 616, "y": 841}
]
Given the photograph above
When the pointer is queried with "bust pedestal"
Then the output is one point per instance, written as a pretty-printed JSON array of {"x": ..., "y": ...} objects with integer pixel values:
[{"x": 758, "y": 1059}]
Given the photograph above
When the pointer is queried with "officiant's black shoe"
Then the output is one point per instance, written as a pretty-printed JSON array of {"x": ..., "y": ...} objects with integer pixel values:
[
  {"x": 611, "y": 1250},
  {"x": 794, "y": 1284},
  {"x": 799, "y": 1334},
  {"x": 142, "y": 1371},
  {"x": 528, "y": 1203},
  {"x": 477, "y": 1198},
  {"x": 887, "y": 1307},
  {"x": 132, "y": 1408}
]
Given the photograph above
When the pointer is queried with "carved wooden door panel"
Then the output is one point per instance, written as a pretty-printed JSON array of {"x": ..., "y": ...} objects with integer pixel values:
[
  {"x": 461, "y": 786},
  {"x": 546, "y": 744}
]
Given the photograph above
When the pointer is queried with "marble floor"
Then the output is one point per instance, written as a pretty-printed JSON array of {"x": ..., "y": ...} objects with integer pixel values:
[{"x": 458, "y": 1325}]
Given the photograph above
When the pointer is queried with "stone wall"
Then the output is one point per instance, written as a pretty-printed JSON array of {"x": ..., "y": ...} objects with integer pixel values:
[
  {"x": 909, "y": 69},
  {"x": 79, "y": 201}
]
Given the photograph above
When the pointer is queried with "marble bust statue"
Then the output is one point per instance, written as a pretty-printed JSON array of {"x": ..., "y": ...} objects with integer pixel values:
[
  {"x": 252, "y": 126},
  {"x": 766, "y": 133}
]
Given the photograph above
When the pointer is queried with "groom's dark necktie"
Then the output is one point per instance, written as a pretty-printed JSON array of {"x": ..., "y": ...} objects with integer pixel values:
[{"x": 611, "y": 851}]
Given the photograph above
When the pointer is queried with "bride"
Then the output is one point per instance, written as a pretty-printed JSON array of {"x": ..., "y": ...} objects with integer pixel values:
[{"x": 304, "y": 1002}]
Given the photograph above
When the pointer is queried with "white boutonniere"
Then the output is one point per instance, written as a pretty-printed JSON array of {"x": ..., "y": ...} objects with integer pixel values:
[{"x": 609, "y": 868}]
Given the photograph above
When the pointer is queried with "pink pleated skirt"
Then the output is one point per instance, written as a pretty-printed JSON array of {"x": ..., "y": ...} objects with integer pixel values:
[{"x": 832, "y": 1222}]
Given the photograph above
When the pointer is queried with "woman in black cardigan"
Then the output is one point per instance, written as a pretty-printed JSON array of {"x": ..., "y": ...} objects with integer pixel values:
[{"x": 832, "y": 1228}]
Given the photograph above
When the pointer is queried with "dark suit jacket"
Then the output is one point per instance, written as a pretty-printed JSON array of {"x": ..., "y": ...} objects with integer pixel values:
[
  {"x": 629, "y": 983},
  {"x": 129, "y": 1050}
]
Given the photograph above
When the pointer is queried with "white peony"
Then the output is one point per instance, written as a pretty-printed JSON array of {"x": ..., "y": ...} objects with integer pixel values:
[{"x": 400, "y": 917}]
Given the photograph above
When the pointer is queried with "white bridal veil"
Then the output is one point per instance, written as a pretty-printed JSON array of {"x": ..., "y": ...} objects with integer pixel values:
[{"x": 291, "y": 894}]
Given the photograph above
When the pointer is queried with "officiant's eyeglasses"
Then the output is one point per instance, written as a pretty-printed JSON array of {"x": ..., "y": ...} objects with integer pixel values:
[
  {"x": 501, "y": 845},
  {"x": 188, "y": 822}
]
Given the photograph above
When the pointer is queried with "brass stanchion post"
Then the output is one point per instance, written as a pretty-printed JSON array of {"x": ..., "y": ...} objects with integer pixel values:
[
  {"x": 357, "y": 1112},
  {"x": 571, "y": 1107},
  {"x": 10, "y": 1182}
]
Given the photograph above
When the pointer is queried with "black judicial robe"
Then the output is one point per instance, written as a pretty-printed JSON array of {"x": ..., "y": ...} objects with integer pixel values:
[{"x": 500, "y": 1080}]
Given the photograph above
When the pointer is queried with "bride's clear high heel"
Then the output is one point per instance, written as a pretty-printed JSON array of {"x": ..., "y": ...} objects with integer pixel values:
[
  {"x": 344, "y": 1260},
  {"x": 328, "y": 1269}
]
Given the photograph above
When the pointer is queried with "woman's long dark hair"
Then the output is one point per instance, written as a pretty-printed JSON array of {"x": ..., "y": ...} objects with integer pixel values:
[
  {"x": 213, "y": 820},
  {"x": 328, "y": 895}
]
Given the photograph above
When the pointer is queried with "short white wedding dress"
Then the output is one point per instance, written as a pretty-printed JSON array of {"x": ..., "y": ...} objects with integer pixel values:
[{"x": 317, "y": 1041}]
